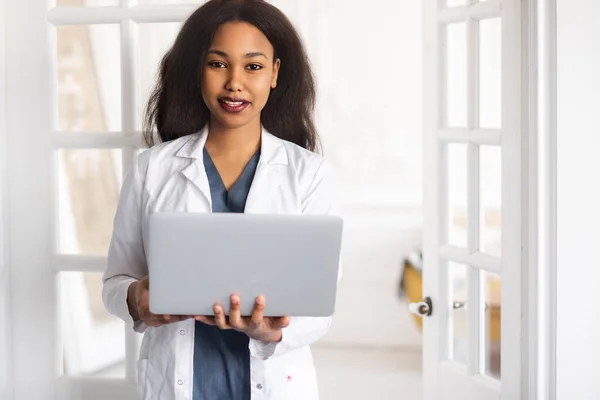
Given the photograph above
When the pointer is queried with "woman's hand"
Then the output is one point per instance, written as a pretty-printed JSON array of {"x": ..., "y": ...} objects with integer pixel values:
[
  {"x": 256, "y": 326},
  {"x": 138, "y": 299}
]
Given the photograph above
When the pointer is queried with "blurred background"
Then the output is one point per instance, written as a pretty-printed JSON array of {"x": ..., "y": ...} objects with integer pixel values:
[{"x": 368, "y": 64}]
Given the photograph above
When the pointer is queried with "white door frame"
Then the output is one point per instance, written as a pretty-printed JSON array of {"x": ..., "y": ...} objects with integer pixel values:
[
  {"x": 31, "y": 205},
  {"x": 5, "y": 314},
  {"x": 541, "y": 56},
  {"x": 545, "y": 73},
  {"x": 538, "y": 185}
]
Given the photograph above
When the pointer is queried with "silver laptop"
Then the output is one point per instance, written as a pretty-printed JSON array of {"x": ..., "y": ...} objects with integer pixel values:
[{"x": 196, "y": 260}]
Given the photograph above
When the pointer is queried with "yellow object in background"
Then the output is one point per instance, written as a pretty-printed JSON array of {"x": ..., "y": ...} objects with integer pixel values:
[{"x": 413, "y": 287}]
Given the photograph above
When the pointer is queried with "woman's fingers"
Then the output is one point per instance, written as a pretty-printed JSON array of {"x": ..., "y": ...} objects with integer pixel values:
[
  {"x": 235, "y": 314},
  {"x": 220, "y": 318},
  {"x": 256, "y": 324},
  {"x": 277, "y": 323},
  {"x": 284, "y": 322},
  {"x": 153, "y": 319},
  {"x": 145, "y": 314},
  {"x": 256, "y": 319},
  {"x": 159, "y": 320},
  {"x": 178, "y": 318}
]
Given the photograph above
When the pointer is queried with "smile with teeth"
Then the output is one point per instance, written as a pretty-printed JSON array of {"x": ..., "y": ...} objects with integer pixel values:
[{"x": 233, "y": 103}]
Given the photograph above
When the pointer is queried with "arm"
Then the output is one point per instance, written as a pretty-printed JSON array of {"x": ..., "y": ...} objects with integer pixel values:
[
  {"x": 126, "y": 258},
  {"x": 303, "y": 331}
]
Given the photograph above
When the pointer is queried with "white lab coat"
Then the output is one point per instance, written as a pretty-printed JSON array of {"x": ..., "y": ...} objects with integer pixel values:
[{"x": 170, "y": 177}]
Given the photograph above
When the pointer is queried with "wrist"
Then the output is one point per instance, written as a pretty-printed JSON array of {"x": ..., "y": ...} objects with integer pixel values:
[
  {"x": 271, "y": 337},
  {"x": 132, "y": 301}
]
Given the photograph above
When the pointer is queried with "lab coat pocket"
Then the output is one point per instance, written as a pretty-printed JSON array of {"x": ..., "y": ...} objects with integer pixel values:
[{"x": 142, "y": 381}]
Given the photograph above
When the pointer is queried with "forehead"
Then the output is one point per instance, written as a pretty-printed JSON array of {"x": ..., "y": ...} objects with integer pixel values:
[{"x": 239, "y": 38}]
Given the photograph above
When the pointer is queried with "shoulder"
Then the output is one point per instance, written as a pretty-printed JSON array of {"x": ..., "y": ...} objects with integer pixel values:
[
  {"x": 305, "y": 163},
  {"x": 163, "y": 155},
  {"x": 314, "y": 178}
]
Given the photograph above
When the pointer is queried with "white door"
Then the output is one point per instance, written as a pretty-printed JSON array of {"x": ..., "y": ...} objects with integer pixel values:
[
  {"x": 78, "y": 73},
  {"x": 474, "y": 217}
]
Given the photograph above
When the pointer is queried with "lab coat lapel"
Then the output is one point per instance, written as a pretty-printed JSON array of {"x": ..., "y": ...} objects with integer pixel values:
[
  {"x": 268, "y": 178},
  {"x": 269, "y": 175},
  {"x": 260, "y": 197},
  {"x": 195, "y": 171}
]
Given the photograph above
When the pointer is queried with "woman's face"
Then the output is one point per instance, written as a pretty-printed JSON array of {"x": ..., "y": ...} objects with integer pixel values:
[{"x": 238, "y": 75}]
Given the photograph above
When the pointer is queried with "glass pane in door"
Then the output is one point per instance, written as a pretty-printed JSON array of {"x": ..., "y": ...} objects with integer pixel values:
[
  {"x": 458, "y": 315},
  {"x": 490, "y": 198},
  {"x": 491, "y": 344},
  {"x": 93, "y": 340},
  {"x": 165, "y": 2},
  {"x": 89, "y": 182},
  {"x": 86, "y": 3},
  {"x": 154, "y": 40},
  {"x": 490, "y": 68},
  {"x": 88, "y": 78},
  {"x": 457, "y": 194},
  {"x": 455, "y": 3},
  {"x": 456, "y": 75}
]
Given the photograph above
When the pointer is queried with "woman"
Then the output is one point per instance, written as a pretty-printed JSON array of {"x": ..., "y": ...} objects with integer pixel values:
[{"x": 233, "y": 109}]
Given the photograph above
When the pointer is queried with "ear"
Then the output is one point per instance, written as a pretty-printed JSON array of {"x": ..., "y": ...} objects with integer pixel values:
[{"x": 276, "y": 66}]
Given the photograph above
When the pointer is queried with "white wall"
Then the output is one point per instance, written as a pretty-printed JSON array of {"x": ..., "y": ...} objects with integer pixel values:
[
  {"x": 578, "y": 185},
  {"x": 5, "y": 378},
  {"x": 368, "y": 311},
  {"x": 367, "y": 60}
]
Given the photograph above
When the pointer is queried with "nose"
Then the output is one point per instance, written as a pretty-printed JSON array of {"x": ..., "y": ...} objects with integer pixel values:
[{"x": 234, "y": 83}]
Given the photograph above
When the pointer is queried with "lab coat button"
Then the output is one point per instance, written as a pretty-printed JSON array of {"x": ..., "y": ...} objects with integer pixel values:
[
  {"x": 182, "y": 332},
  {"x": 180, "y": 382},
  {"x": 259, "y": 386}
]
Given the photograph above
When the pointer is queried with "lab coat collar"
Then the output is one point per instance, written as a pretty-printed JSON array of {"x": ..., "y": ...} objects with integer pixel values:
[
  {"x": 272, "y": 150},
  {"x": 267, "y": 178}
]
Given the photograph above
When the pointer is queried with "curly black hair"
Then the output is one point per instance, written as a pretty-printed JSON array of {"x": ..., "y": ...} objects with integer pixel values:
[{"x": 176, "y": 108}]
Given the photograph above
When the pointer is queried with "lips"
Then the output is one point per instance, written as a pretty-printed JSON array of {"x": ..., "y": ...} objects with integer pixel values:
[{"x": 233, "y": 104}]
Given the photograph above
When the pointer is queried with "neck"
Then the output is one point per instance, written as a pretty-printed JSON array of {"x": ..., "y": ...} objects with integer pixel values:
[{"x": 233, "y": 142}]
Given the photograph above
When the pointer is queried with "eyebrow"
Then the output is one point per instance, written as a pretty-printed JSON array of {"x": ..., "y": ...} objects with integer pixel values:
[{"x": 247, "y": 55}]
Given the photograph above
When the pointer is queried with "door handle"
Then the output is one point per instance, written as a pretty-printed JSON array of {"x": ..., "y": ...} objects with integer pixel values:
[
  {"x": 461, "y": 304},
  {"x": 422, "y": 309}
]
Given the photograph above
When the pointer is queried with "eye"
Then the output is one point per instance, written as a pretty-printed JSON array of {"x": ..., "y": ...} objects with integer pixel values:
[
  {"x": 216, "y": 64},
  {"x": 254, "y": 67}
]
